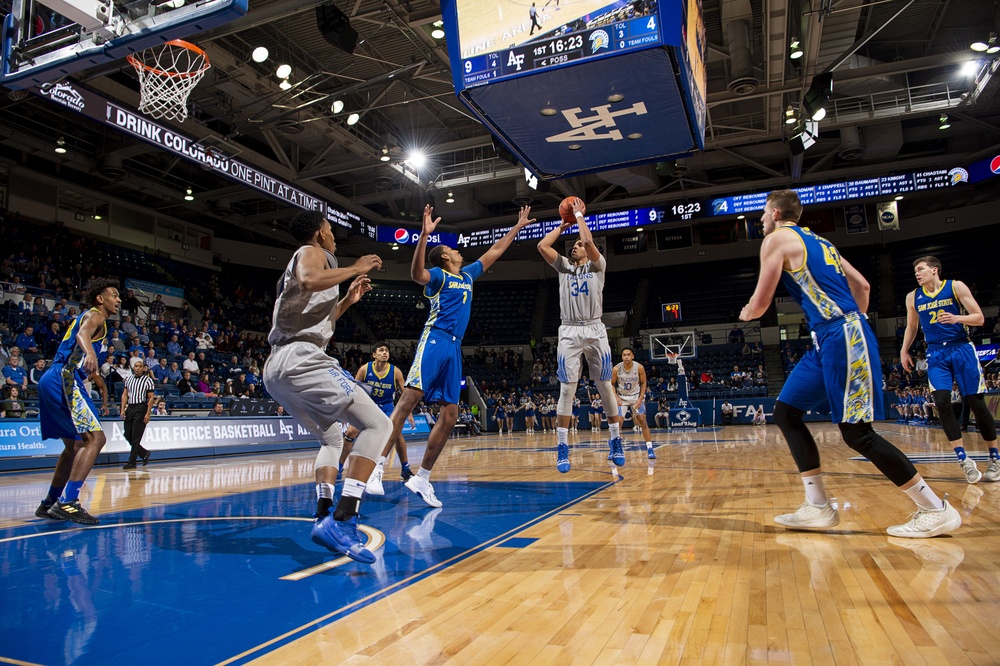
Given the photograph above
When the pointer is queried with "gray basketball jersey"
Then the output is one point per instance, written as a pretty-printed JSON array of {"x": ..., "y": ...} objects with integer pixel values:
[
  {"x": 300, "y": 315},
  {"x": 628, "y": 380},
  {"x": 581, "y": 290}
]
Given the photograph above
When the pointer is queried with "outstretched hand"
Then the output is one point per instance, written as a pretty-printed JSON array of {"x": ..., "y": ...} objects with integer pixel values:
[
  {"x": 430, "y": 224},
  {"x": 522, "y": 219},
  {"x": 359, "y": 287}
]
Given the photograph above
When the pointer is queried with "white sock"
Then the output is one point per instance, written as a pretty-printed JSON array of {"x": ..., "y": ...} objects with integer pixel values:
[
  {"x": 562, "y": 435},
  {"x": 381, "y": 461},
  {"x": 324, "y": 490},
  {"x": 353, "y": 488},
  {"x": 649, "y": 445},
  {"x": 424, "y": 474},
  {"x": 614, "y": 430},
  {"x": 815, "y": 489},
  {"x": 924, "y": 497}
]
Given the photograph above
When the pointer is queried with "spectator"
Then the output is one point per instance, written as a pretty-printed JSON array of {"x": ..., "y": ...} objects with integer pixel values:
[
  {"x": 161, "y": 409},
  {"x": 736, "y": 335},
  {"x": 157, "y": 308},
  {"x": 127, "y": 327},
  {"x": 204, "y": 388},
  {"x": 235, "y": 369},
  {"x": 803, "y": 328},
  {"x": 14, "y": 375},
  {"x": 26, "y": 340},
  {"x": 12, "y": 407},
  {"x": 662, "y": 417},
  {"x": 280, "y": 411},
  {"x": 161, "y": 371},
  {"x": 174, "y": 346},
  {"x": 727, "y": 412},
  {"x": 204, "y": 340},
  {"x": 190, "y": 364},
  {"x": 35, "y": 374},
  {"x": 184, "y": 386},
  {"x": 116, "y": 341},
  {"x": 53, "y": 339},
  {"x": 217, "y": 411},
  {"x": 130, "y": 303}
]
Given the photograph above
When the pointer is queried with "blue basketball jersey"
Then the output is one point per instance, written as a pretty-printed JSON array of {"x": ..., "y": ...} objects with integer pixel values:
[
  {"x": 69, "y": 354},
  {"x": 931, "y": 306},
  {"x": 451, "y": 298},
  {"x": 819, "y": 285},
  {"x": 383, "y": 386}
]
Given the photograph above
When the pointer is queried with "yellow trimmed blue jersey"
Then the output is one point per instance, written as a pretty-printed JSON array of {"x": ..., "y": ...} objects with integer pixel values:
[
  {"x": 70, "y": 355},
  {"x": 819, "y": 285},
  {"x": 451, "y": 298},
  {"x": 383, "y": 386},
  {"x": 930, "y": 306}
]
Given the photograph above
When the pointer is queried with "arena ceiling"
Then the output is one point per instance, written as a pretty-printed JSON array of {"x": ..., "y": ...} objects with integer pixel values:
[{"x": 884, "y": 114}]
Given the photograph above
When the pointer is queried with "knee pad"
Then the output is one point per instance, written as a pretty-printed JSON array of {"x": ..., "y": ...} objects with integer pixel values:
[
  {"x": 887, "y": 458},
  {"x": 949, "y": 422},
  {"x": 331, "y": 444},
  {"x": 608, "y": 397},
  {"x": 984, "y": 419},
  {"x": 567, "y": 391}
]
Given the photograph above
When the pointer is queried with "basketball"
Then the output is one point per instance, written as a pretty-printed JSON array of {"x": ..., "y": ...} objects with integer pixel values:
[{"x": 566, "y": 209}]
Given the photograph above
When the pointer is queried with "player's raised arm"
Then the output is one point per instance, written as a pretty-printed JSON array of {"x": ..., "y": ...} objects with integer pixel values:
[
  {"x": 581, "y": 222},
  {"x": 314, "y": 273},
  {"x": 545, "y": 246},
  {"x": 418, "y": 271},
  {"x": 495, "y": 252}
]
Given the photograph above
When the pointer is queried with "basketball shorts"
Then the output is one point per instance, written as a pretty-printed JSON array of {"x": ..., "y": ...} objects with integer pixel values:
[
  {"x": 590, "y": 341},
  {"x": 638, "y": 406},
  {"x": 312, "y": 386},
  {"x": 842, "y": 373},
  {"x": 437, "y": 367},
  {"x": 65, "y": 408},
  {"x": 386, "y": 407},
  {"x": 957, "y": 363}
]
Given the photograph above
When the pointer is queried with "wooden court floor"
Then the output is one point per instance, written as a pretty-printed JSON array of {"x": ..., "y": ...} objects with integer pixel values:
[{"x": 679, "y": 561}]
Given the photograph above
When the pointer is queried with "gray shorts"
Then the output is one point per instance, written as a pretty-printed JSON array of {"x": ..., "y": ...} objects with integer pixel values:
[{"x": 590, "y": 341}]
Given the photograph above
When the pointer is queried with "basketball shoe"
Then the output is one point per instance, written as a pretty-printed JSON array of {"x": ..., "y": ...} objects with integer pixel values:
[
  {"x": 43, "y": 510},
  {"x": 972, "y": 473},
  {"x": 422, "y": 487},
  {"x": 617, "y": 452},
  {"x": 810, "y": 517},
  {"x": 992, "y": 472},
  {"x": 341, "y": 537},
  {"x": 73, "y": 512},
  {"x": 927, "y": 523},
  {"x": 562, "y": 458},
  {"x": 374, "y": 486}
]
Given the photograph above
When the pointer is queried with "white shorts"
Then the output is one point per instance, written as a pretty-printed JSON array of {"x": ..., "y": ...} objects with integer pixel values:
[
  {"x": 638, "y": 406},
  {"x": 592, "y": 342},
  {"x": 310, "y": 385}
]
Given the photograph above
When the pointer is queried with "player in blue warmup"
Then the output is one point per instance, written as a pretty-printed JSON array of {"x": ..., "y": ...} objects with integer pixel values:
[
  {"x": 386, "y": 380},
  {"x": 937, "y": 307},
  {"x": 436, "y": 374},
  {"x": 66, "y": 409},
  {"x": 842, "y": 371}
]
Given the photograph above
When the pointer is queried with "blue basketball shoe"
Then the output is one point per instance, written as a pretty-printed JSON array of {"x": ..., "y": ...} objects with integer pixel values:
[
  {"x": 341, "y": 538},
  {"x": 562, "y": 458},
  {"x": 617, "y": 452}
]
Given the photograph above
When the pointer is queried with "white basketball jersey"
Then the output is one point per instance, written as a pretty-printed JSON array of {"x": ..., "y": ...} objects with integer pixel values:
[
  {"x": 581, "y": 290},
  {"x": 628, "y": 382},
  {"x": 300, "y": 315}
]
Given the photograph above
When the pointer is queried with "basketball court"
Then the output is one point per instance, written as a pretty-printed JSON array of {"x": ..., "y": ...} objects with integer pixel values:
[{"x": 677, "y": 561}]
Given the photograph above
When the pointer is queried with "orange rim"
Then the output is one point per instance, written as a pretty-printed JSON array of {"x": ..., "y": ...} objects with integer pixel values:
[{"x": 131, "y": 57}]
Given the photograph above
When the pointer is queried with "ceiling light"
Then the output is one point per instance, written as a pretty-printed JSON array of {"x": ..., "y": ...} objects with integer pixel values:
[
  {"x": 790, "y": 120},
  {"x": 284, "y": 85},
  {"x": 795, "y": 49},
  {"x": 395, "y": 246},
  {"x": 260, "y": 54},
  {"x": 188, "y": 195},
  {"x": 385, "y": 154},
  {"x": 943, "y": 122},
  {"x": 97, "y": 217},
  {"x": 283, "y": 71},
  {"x": 60, "y": 146},
  {"x": 417, "y": 159},
  {"x": 337, "y": 106},
  {"x": 450, "y": 199},
  {"x": 353, "y": 118},
  {"x": 439, "y": 23},
  {"x": 814, "y": 102},
  {"x": 970, "y": 68},
  {"x": 741, "y": 217},
  {"x": 790, "y": 111},
  {"x": 437, "y": 33},
  {"x": 638, "y": 228},
  {"x": 899, "y": 197}
]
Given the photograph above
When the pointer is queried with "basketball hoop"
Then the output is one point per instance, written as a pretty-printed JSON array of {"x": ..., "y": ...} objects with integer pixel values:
[{"x": 167, "y": 75}]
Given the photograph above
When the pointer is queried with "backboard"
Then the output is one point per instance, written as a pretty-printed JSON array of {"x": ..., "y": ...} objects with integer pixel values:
[
  {"x": 43, "y": 42},
  {"x": 684, "y": 344}
]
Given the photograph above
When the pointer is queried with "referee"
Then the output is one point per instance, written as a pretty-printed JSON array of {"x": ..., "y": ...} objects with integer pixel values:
[{"x": 137, "y": 404}]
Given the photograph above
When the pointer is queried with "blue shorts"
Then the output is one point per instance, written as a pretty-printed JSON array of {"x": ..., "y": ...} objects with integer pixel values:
[
  {"x": 386, "y": 407},
  {"x": 842, "y": 373},
  {"x": 65, "y": 409},
  {"x": 955, "y": 362},
  {"x": 437, "y": 367}
]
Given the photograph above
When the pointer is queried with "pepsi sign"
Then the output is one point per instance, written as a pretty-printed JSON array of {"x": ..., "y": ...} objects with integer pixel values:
[{"x": 408, "y": 236}]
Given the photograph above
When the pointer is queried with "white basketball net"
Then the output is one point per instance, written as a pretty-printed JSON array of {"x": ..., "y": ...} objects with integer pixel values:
[{"x": 167, "y": 75}]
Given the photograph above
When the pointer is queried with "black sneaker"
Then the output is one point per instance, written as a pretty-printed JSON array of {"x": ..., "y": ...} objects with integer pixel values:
[
  {"x": 129, "y": 465},
  {"x": 73, "y": 512},
  {"x": 145, "y": 458},
  {"x": 43, "y": 510}
]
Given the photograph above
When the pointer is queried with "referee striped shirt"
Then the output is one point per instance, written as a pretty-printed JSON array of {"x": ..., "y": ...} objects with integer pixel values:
[{"x": 138, "y": 389}]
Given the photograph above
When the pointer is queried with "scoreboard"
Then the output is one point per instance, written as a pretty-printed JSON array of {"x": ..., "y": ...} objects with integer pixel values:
[{"x": 671, "y": 312}]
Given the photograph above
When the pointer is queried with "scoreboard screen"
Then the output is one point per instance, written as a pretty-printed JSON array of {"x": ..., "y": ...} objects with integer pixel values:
[
  {"x": 508, "y": 38},
  {"x": 671, "y": 312}
]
